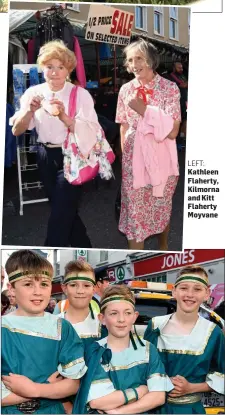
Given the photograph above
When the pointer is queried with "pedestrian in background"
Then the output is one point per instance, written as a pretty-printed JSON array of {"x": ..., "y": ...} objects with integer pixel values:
[
  {"x": 143, "y": 212},
  {"x": 51, "y": 305},
  {"x": 12, "y": 301},
  {"x": 4, "y": 303},
  {"x": 177, "y": 75},
  {"x": 102, "y": 282}
]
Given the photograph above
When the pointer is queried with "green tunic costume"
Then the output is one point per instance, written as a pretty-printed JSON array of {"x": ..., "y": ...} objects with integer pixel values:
[
  {"x": 130, "y": 368},
  {"x": 198, "y": 356},
  {"x": 36, "y": 347}
]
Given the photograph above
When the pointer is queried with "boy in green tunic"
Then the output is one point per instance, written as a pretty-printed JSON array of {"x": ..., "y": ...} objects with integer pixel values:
[
  {"x": 125, "y": 375},
  {"x": 78, "y": 285},
  {"x": 191, "y": 347},
  {"x": 37, "y": 345}
]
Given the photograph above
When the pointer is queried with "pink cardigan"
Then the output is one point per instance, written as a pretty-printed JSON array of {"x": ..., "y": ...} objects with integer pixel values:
[{"x": 154, "y": 155}]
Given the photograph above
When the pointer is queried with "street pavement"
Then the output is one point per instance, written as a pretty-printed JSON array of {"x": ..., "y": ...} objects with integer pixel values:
[{"x": 97, "y": 209}]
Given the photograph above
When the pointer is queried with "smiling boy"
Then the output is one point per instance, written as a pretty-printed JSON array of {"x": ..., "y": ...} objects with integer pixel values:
[
  {"x": 78, "y": 285},
  {"x": 125, "y": 374},
  {"x": 191, "y": 347},
  {"x": 37, "y": 345}
]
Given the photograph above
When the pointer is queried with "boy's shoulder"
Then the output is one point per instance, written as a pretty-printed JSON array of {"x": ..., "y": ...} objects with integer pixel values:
[
  {"x": 158, "y": 322},
  {"x": 48, "y": 325}
]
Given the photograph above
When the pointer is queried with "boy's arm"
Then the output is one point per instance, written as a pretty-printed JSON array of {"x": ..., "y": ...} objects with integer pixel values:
[
  {"x": 22, "y": 386},
  {"x": 183, "y": 387},
  {"x": 149, "y": 401},
  {"x": 13, "y": 399},
  {"x": 58, "y": 390},
  {"x": 114, "y": 399},
  {"x": 214, "y": 379}
]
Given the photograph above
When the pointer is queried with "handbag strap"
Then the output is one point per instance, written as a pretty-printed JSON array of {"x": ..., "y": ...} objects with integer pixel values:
[
  {"x": 72, "y": 102},
  {"x": 71, "y": 110}
]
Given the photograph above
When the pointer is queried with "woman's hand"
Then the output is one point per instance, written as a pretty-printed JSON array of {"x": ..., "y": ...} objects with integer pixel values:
[
  {"x": 181, "y": 386},
  {"x": 59, "y": 107},
  {"x": 21, "y": 385},
  {"x": 35, "y": 104},
  {"x": 137, "y": 105}
]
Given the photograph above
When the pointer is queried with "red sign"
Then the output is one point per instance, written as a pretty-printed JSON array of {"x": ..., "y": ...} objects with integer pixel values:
[
  {"x": 111, "y": 274},
  {"x": 167, "y": 262},
  {"x": 122, "y": 23},
  {"x": 56, "y": 288}
]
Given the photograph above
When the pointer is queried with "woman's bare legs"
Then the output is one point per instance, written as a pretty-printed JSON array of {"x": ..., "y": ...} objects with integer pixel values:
[
  {"x": 163, "y": 239},
  {"x": 136, "y": 246}
]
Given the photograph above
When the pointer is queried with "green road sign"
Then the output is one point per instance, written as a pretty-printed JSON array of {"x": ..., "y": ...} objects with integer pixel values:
[
  {"x": 81, "y": 252},
  {"x": 120, "y": 273}
]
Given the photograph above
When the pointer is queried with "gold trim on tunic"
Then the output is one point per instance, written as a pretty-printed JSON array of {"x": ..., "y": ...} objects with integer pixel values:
[
  {"x": 161, "y": 375},
  {"x": 109, "y": 366},
  {"x": 37, "y": 334},
  {"x": 190, "y": 352},
  {"x": 101, "y": 381},
  {"x": 73, "y": 363},
  {"x": 186, "y": 399},
  {"x": 217, "y": 374},
  {"x": 87, "y": 336}
]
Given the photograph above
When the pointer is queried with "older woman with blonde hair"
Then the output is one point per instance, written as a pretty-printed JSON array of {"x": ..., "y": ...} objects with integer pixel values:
[
  {"x": 45, "y": 107},
  {"x": 148, "y": 110}
]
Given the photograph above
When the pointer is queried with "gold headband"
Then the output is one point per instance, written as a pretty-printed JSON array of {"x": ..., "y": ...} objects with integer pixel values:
[
  {"x": 115, "y": 299},
  {"x": 192, "y": 278},
  {"x": 71, "y": 277},
  {"x": 19, "y": 275}
]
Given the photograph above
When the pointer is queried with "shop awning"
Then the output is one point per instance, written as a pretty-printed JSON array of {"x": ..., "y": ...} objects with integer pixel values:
[{"x": 17, "y": 18}]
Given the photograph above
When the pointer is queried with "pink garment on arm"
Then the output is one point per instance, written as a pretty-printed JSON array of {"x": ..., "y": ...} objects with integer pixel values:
[
  {"x": 154, "y": 155},
  {"x": 80, "y": 71}
]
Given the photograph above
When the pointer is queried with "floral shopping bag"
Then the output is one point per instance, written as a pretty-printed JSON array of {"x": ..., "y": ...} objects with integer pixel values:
[{"x": 79, "y": 169}]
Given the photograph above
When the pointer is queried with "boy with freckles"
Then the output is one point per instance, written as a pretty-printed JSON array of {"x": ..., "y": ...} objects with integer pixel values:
[
  {"x": 37, "y": 346},
  {"x": 191, "y": 347}
]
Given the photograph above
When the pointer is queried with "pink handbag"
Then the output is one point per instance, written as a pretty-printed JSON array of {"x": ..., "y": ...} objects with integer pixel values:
[{"x": 77, "y": 168}]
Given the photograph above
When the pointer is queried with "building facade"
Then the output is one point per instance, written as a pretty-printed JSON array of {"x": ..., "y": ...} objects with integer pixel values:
[
  {"x": 167, "y": 27},
  {"x": 166, "y": 24}
]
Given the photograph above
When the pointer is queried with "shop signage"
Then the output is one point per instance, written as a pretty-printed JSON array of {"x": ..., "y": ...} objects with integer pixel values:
[
  {"x": 167, "y": 262},
  {"x": 120, "y": 273},
  {"x": 82, "y": 255},
  {"x": 109, "y": 25}
]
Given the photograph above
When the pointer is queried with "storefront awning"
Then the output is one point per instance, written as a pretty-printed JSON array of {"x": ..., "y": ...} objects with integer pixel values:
[{"x": 17, "y": 18}]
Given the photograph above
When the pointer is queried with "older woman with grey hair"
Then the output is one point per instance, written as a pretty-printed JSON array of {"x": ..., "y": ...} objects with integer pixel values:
[{"x": 143, "y": 214}]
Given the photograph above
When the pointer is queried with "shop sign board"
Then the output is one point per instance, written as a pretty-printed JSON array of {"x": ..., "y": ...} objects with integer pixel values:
[
  {"x": 81, "y": 255},
  {"x": 172, "y": 261},
  {"x": 120, "y": 273},
  {"x": 109, "y": 25}
]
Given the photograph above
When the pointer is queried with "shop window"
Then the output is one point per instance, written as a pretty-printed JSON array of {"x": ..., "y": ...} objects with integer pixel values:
[
  {"x": 141, "y": 17},
  {"x": 189, "y": 22},
  {"x": 103, "y": 256},
  {"x": 173, "y": 23},
  {"x": 158, "y": 21},
  {"x": 75, "y": 7}
]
